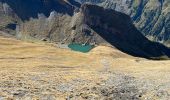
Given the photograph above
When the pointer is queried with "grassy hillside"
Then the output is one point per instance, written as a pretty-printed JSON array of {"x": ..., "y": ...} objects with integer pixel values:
[{"x": 40, "y": 71}]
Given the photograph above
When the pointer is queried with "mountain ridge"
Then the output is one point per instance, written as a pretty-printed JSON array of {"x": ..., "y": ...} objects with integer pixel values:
[
  {"x": 151, "y": 17},
  {"x": 90, "y": 25},
  {"x": 31, "y": 8}
]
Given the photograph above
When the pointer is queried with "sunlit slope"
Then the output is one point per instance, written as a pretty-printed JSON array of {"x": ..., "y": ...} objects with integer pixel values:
[{"x": 42, "y": 71}]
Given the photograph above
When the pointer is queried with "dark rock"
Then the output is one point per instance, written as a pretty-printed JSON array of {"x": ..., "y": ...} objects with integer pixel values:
[{"x": 152, "y": 19}]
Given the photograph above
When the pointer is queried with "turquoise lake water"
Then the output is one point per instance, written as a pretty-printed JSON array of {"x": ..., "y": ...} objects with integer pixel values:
[{"x": 80, "y": 47}]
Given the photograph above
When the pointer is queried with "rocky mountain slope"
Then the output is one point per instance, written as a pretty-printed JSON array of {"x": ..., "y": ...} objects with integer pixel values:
[
  {"x": 117, "y": 29},
  {"x": 152, "y": 17},
  {"x": 30, "y": 8},
  {"x": 88, "y": 24}
]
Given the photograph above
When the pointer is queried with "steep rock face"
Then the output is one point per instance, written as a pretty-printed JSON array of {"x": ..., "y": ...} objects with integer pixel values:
[
  {"x": 8, "y": 18},
  {"x": 52, "y": 28},
  {"x": 33, "y": 11},
  {"x": 117, "y": 29},
  {"x": 152, "y": 17},
  {"x": 59, "y": 28},
  {"x": 4, "y": 12},
  {"x": 31, "y": 8}
]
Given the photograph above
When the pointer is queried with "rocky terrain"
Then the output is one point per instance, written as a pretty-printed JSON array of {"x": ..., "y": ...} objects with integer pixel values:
[
  {"x": 117, "y": 29},
  {"x": 88, "y": 24},
  {"x": 40, "y": 71},
  {"x": 151, "y": 17}
]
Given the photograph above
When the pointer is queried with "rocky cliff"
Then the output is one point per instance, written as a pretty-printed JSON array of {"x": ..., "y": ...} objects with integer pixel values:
[
  {"x": 31, "y": 8},
  {"x": 117, "y": 29},
  {"x": 151, "y": 17}
]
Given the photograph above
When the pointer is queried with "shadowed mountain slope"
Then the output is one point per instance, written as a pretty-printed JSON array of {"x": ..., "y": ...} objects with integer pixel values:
[
  {"x": 118, "y": 29},
  {"x": 31, "y": 8},
  {"x": 151, "y": 17}
]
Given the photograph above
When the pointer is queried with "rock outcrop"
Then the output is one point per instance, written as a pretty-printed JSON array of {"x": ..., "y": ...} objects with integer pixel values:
[
  {"x": 151, "y": 17},
  {"x": 31, "y": 8},
  {"x": 117, "y": 29}
]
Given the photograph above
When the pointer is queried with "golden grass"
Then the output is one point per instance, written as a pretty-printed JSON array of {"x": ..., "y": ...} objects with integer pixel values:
[{"x": 23, "y": 61}]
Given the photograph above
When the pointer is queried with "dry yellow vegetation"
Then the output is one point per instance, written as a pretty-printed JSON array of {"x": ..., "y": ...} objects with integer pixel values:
[{"x": 40, "y": 71}]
